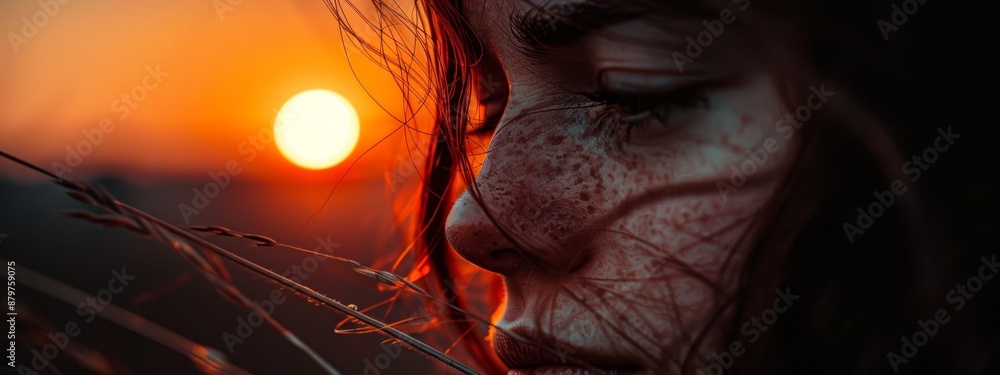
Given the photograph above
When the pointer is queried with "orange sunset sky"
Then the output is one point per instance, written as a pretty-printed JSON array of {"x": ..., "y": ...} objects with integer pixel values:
[{"x": 224, "y": 73}]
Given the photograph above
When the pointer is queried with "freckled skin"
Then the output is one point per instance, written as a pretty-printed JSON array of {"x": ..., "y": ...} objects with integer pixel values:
[{"x": 604, "y": 226}]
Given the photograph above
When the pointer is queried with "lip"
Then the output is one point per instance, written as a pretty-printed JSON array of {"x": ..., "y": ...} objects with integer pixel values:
[{"x": 525, "y": 359}]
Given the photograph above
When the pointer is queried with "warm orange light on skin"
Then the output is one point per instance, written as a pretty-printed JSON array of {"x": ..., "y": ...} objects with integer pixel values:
[{"x": 317, "y": 129}]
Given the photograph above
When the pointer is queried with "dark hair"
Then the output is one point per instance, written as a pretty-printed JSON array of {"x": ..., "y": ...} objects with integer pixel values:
[{"x": 859, "y": 294}]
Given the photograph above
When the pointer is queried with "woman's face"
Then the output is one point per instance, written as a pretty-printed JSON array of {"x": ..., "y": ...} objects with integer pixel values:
[{"x": 606, "y": 170}]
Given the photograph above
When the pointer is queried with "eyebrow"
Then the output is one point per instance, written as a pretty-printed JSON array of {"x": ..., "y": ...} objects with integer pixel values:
[{"x": 539, "y": 30}]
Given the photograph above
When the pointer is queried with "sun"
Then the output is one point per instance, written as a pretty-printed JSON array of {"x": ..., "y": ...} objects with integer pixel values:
[{"x": 316, "y": 129}]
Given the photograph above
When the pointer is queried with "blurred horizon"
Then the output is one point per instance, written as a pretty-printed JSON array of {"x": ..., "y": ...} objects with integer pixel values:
[
  {"x": 171, "y": 107},
  {"x": 170, "y": 292},
  {"x": 180, "y": 85}
]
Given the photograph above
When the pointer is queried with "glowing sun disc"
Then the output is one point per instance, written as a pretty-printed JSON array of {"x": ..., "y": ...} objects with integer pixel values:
[{"x": 316, "y": 129}]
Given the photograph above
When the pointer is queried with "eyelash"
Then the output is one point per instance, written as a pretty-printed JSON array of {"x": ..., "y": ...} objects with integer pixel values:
[
  {"x": 635, "y": 111},
  {"x": 485, "y": 128},
  {"x": 638, "y": 111}
]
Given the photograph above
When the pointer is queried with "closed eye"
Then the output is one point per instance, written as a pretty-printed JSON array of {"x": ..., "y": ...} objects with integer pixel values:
[
  {"x": 491, "y": 90},
  {"x": 653, "y": 116}
]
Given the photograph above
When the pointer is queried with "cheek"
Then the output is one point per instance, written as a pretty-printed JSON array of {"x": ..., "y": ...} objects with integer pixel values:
[
  {"x": 696, "y": 231},
  {"x": 550, "y": 173},
  {"x": 546, "y": 176},
  {"x": 695, "y": 209},
  {"x": 735, "y": 130}
]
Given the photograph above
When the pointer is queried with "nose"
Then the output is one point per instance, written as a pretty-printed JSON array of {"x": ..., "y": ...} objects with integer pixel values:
[
  {"x": 526, "y": 232},
  {"x": 521, "y": 214},
  {"x": 475, "y": 237}
]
